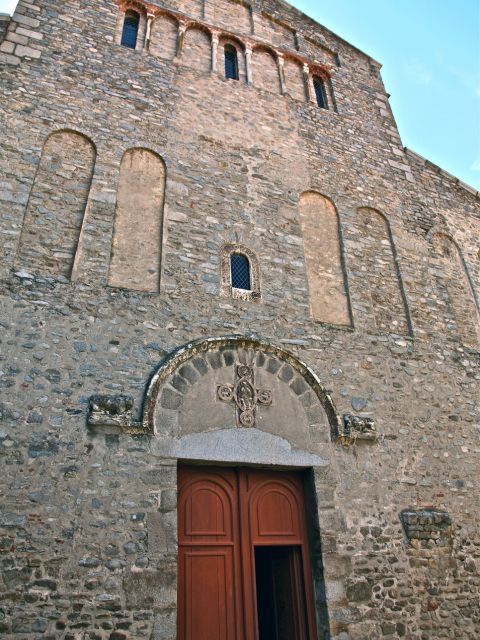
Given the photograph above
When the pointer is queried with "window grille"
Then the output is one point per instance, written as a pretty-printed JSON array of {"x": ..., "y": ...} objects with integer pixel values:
[
  {"x": 320, "y": 93},
  {"x": 130, "y": 30},
  {"x": 240, "y": 270},
  {"x": 231, "y": 62}
]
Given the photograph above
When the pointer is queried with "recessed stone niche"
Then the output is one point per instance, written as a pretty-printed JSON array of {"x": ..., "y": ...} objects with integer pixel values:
[{"x": 427, "y": 528}]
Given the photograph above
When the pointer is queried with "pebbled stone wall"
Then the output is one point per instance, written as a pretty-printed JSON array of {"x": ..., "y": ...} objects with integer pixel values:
[{"x": 88, "y": 517}]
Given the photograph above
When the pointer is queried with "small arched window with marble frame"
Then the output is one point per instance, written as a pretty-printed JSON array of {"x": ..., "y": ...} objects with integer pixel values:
[{"x": 231, "y": 255}]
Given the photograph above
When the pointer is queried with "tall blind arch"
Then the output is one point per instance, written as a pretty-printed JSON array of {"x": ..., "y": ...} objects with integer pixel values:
[
  {"x": 130, "y": 29},
  {"x": 323, "y": 259},
  {"x": 58, "y": 199},
  {"x": 137, "y": 236},
  {"x": 461, "y": 305}
]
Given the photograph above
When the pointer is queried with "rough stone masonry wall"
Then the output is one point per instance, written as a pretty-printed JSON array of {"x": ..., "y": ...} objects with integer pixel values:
[
  {"x": 88, "y": 520},
  {"x": 4, "y": 20}
]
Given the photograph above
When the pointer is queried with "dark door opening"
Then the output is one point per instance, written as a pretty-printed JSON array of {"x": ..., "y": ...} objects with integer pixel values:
[{"x": 280, "y": 594}]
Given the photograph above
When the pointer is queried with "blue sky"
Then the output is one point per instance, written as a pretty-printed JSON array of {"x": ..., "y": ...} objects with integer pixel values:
[{"x": 430, "y": 51}]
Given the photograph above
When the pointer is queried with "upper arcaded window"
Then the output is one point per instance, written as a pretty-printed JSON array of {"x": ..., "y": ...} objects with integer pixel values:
[
  {"x": 130, "y": 29},
  {"x": 320, "y": 92},
  {"x": 240, "y": 270},
  {"x": 231, "y": 62}
]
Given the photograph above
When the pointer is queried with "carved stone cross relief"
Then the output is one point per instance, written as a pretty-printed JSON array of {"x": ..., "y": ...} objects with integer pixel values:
[{"x": 245, "y": 395}]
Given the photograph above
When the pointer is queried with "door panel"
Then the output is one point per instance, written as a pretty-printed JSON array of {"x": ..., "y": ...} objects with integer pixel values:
[
  {"x": 209, "y": 584},
  {"x": 274, "y": 511},
  {"x": 273, "y": 514},
  {"x": 210, "y": 611},
  {"x": 244, "y": 572}
]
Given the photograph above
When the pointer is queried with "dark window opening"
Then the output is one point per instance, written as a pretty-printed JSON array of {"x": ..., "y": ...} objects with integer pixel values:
[
  {"x": 231, "y": 62},
  {"x": 281, "y": 605},
  {"x": 320, "y": 93},
  {"x": 130, "y": 30},
  {"x": 240, "y": 270}
]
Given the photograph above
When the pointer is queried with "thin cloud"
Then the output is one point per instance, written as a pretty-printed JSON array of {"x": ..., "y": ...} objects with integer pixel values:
[
  {"x": 418, "y": 72},
  {"x": 476, "y": 166},
  {"x": 469, "y": 80}
]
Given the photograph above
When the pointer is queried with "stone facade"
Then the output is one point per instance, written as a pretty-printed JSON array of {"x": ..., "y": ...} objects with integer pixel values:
[{"x": 127, "y": 175}]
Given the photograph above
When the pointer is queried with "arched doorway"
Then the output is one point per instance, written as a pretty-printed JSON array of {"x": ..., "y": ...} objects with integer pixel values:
[{"x": 243, "y": 563}]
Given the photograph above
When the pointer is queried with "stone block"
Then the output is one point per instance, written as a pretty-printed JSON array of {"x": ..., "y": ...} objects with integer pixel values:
[
  {"x": 7, "y": 47},
  {"x": 165, "y": 626},
  {"x": 22, "y": 51},
  {"x": 36, "y": 35},
  {"x": 162, "y": 533},
  {"x": 25, "y": 20},
  {"x": 13, "y": 36},
  {"x": 151, "y": 589},
  {"x": 6, "y": 58},
  {"x": 161, "y": 477}
]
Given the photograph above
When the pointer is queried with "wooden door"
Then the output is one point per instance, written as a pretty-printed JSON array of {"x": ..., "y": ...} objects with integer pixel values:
[
  {"x": 209, "y": 575},
  {"x": 244, "y": 571}
]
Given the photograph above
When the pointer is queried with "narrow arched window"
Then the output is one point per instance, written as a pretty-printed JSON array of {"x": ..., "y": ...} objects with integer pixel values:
[
  {"x": 130, "y": 29},
  {"x": 240, "y": 271},
  {"x": 231, "y": 62},
  {"x": 320, "y": 92}
]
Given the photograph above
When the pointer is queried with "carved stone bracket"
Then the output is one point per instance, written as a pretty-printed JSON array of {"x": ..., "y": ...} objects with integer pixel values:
[
  {"x": 245, "y": 395},
  {"x": 115, "y": 413},
  {"x": 358, "y": 428}
]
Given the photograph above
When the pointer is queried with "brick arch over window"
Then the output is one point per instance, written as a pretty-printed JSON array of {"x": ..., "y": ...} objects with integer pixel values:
[
  {"x": 226, "y": 288},
  {"x": 460, "y": 293},
  {"x": 197, "y": 49},
  {"x": 164, "y": 37},
  {"x": 324, "y": 259},
  {"x": 374, "y": 274},
  {"x": 57, "y": 204},
  {"x": 228, "y": 42},
  {"x": 265, "y": 74},
  {"x": 128, "y": 10},
  {"x": 137, "y": 237}
]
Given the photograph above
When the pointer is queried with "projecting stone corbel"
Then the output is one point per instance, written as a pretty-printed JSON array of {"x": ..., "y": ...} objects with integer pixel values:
[
  {"x": 113, "y": 414},
  {"x": 357, "y": 429}
]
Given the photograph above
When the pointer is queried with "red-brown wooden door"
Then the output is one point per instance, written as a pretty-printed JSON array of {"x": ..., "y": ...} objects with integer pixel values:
[{"x": 244, "y": 571}]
